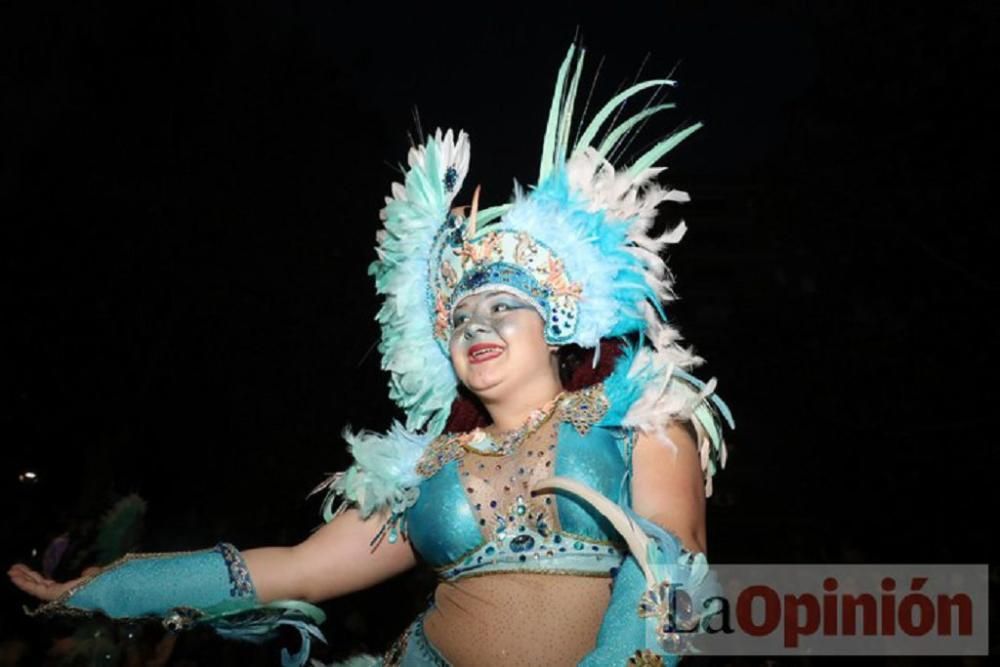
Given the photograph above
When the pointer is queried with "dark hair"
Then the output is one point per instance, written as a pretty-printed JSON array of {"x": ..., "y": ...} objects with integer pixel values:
[{"x": 576, "y": 371}]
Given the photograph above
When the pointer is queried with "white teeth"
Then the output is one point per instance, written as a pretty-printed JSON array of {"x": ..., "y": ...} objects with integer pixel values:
[{"x": 479, "y": 353}]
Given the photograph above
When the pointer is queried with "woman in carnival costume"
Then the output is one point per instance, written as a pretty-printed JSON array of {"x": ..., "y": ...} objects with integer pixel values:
[{"x": 566, "y": 528}]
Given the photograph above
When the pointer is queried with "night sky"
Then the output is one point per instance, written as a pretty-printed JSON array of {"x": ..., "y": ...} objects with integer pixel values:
[{"x": 189, "y": 201}]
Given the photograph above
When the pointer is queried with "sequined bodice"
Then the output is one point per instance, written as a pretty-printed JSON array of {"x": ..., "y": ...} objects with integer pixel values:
[{"x": 475, "y": 512}]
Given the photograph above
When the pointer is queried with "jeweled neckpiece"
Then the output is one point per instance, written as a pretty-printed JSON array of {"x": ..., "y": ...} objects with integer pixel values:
[{"x": 507, "y": 442}]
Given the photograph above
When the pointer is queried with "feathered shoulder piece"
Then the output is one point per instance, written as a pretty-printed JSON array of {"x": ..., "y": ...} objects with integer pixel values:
[
  {"x": 651, "y": 387},
  {"x": 383, "y": 478}
]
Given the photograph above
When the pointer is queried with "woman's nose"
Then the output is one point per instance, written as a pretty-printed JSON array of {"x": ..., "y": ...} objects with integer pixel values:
[{"x": 475, "y": 327}]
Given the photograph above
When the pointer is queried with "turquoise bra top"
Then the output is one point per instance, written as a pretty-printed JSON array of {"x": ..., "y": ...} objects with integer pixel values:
[
  {"x": 475, "y": 514},
  {"x": 466, "y": 503}
]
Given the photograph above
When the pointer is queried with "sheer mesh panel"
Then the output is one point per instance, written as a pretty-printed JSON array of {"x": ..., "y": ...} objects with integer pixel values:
[
  {"x": 517, "y": 619},
  {"x": 498, "y": 486}
]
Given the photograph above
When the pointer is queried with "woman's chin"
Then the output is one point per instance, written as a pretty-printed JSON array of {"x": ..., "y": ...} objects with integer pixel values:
[{"x": 485, "y": 385}]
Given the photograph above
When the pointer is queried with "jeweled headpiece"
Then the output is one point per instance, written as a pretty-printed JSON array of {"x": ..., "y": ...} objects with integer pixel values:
[{"x": 578, "y": 245}]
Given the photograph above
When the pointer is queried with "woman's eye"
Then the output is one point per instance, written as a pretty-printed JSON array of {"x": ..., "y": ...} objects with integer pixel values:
[
  {"x": 500, "y": 307},
  {"x": 459, "y": 320}
]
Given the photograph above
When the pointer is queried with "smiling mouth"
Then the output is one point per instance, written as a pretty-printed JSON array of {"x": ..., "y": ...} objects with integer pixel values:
[{"x": 484, "y": 352}]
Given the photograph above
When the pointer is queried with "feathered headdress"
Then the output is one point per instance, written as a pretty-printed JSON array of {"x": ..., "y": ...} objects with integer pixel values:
[{"x": 578, "y": 245}]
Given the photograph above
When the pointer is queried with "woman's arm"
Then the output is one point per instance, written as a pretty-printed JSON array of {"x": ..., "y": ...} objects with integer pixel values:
[
  {"x": 334, "y": 561},
  {"x": 667, "y": 485}
]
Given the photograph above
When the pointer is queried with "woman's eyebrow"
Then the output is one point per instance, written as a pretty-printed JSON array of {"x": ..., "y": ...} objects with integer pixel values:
[
  {"x": 500, "y": 293},
  {"x": 512, "y": 298}
]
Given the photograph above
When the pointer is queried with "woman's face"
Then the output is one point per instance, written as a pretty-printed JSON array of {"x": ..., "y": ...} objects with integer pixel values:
[{"x": 497, "y": 342}]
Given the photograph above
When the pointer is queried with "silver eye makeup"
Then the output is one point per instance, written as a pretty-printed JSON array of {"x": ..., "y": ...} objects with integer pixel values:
[{"x": 495, "y": 305}]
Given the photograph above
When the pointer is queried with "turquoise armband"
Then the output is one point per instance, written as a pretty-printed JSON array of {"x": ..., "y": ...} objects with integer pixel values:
[
  {"x": 208, "y": 587},
  {"x": 209, "y": 581}
]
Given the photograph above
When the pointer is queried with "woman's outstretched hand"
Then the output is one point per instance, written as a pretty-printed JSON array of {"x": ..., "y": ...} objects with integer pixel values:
[{"x": 33, "y": 583}]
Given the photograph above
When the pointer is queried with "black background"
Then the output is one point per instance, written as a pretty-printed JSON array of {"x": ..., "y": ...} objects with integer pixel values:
[{"x": 189, "y": 201}]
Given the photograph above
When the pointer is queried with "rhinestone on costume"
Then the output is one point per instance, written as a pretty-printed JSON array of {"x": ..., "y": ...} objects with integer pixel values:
[
  {"x": 179, "y": 619},
  {"x": 450, "y": 179},
  {"x": 443, "y": 450},
  {"x": 522, "y": 543},
  {"x": 645, "y": 658},
  {"x": 240, "y": 584},
  {"x": 670, "y": 641},
  {"x": 586, "y": 408}
]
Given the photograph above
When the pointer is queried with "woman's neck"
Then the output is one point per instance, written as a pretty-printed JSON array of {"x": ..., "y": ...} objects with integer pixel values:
[{"x": 513, "y": 411}]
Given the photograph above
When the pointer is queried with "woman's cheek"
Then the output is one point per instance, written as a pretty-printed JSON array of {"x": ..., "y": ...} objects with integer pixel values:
[
  {"x": 514, "y": 326},
  {"x": 457, "y": 358},
  {"x": 523, "y": 334}
]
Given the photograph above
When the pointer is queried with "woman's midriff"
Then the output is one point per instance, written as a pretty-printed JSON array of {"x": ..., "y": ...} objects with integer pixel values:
[{"x": 517, "y": 619}]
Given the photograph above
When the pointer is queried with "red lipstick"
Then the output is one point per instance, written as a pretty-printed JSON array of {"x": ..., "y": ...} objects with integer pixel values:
[{"x": 486, "y": 351}]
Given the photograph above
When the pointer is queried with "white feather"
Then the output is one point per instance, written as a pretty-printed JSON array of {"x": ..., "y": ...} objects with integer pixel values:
[{"x": 637, "y": 540}]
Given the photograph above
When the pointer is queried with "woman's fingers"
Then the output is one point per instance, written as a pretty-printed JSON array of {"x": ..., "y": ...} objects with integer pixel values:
[
  {"x": 18, "y": 567},
  {"x": 22, "y": 572},
  {"x": 33, "y": 583},
  {"x": 29, "y": 584}
]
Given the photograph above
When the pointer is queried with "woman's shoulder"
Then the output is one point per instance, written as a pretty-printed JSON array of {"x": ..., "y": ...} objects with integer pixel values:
[
  {"x": 650, "y": 392},
  {"x": 444, "y": 449}
]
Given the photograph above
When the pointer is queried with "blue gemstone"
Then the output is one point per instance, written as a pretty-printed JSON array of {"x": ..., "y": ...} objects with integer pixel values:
[
  {"x": 522, "y": 543},
  {"x": 450, "y": 178}
]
